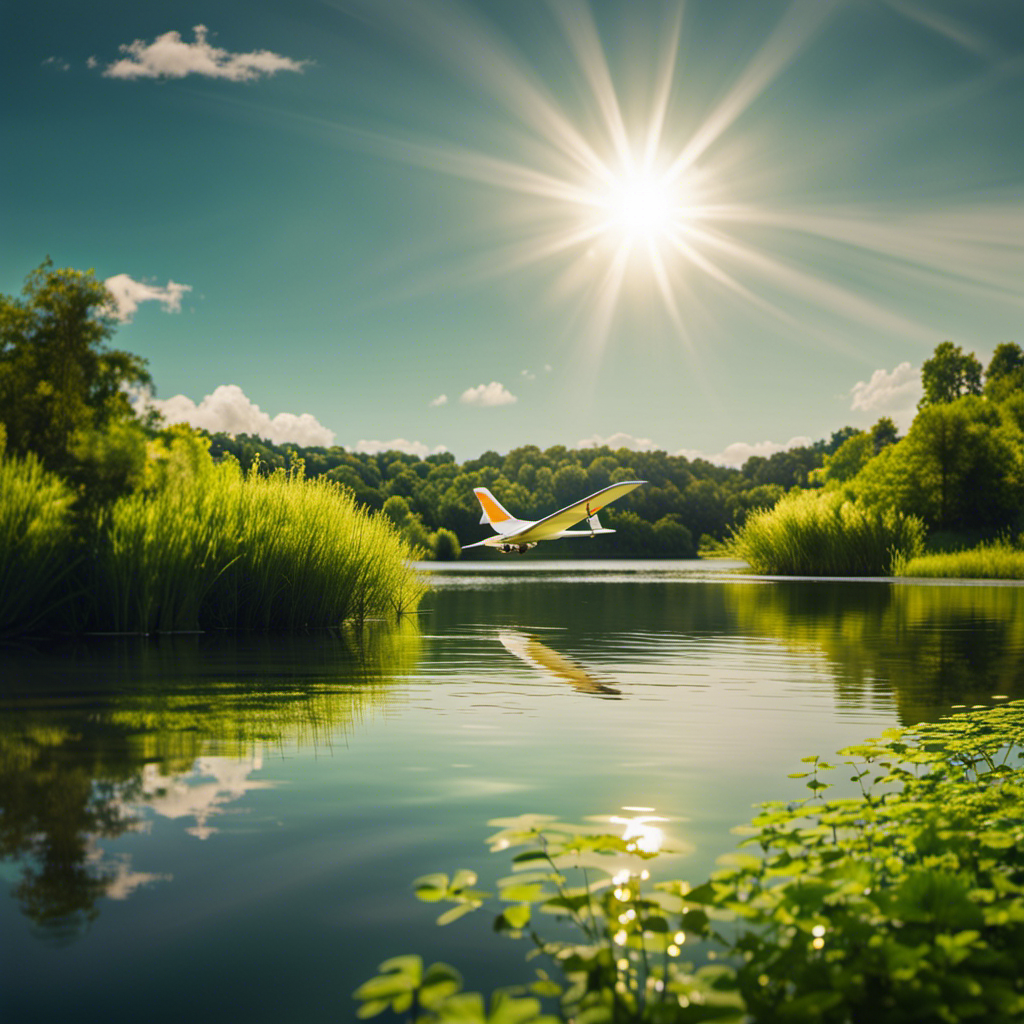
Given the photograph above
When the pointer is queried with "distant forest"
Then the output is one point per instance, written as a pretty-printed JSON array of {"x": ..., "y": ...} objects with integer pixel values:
[
  {"x": 683, "y": 502},
  {"x": 959, "y": 470}
]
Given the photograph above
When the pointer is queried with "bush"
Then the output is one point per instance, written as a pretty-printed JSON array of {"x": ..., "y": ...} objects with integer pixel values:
[
  {"x": 822, "y": 534},
  {"x": 205, "y": 545},
  {"x": 446, "y": 546}
]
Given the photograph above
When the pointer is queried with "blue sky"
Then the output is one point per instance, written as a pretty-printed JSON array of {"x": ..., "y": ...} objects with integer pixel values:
[{"x": 710, "y": 228}]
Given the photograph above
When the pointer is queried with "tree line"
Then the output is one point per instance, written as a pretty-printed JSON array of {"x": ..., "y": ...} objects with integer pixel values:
[{"x": 64, "y": 396}]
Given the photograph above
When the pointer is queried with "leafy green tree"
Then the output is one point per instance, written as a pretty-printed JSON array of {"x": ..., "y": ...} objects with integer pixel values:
[
  {"x": 1005, "y": 374},
  {"x": 672, "y": 539},
  {"x": 570, "y": 484},
  {"x": 837, "y": 440},
  {"x": 950, "y": 374},
  {"x": 960, "y": 467},
  {"x": 849, "y": 458},
  {"x": 884, "y": 433},
  {"x": 58, "y": 379},
  {"x": 446, "y": 547}
]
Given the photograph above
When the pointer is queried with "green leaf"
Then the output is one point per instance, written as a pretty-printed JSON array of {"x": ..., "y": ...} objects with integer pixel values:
[
  {"x": 506, "y": 1010},
  {"x": 460, "y": 910},
  {"x": 465, "y": 1008},
  {"x": 463, "y": 879},
  {"x": 384, "y": 986},
  {"x": 372, "y": 1008},
  {"x": 703, "y": 894},
  {"x": 410, "y": 965},
  {"x": 529, "y": 855},
  {"x": 528, "y": 893},
  {"x": 517, "y": 916},
  {"x": 431, "y": 888}
]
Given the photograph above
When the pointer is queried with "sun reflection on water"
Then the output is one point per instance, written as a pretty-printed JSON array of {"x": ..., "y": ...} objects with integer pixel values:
[{"x": 646, "y": 837}]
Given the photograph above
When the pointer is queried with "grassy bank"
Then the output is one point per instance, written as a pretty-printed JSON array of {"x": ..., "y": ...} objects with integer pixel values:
[
  {"x": 903, "y": 902},
  {"x": 994, "y": 561},
  {"x": 198, "y": 545},
  {"x": 818, "y": 533}
]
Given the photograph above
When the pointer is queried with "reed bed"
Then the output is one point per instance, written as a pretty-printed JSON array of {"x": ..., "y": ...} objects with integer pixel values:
[
  {"x": 995, "y": 561},
  {"x": 37, "y": 545},
  {"x": 820, "y": 534},
  {"x": 213, "y": 547}
]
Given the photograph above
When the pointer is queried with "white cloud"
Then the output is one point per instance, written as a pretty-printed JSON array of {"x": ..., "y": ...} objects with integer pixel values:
[
  {"x": 92, "y": 62},
  {"x": 547, "y": 367},
  {"x": 738, "y": 452},
  {"x": 57, "y": 63},
  {"x": 527, "y": 375},
  {"x": 488, "y": 395},
  {"x": 169, "y": 56},
  {"x": 128, "y": 294},
  {"x": 440, "y": 400},
  {"x": 893, "y": 394},
  {"x": 229, "y": 411},
  {"x": 399, "y": 444},
  {"x": 619, "y": 440}
]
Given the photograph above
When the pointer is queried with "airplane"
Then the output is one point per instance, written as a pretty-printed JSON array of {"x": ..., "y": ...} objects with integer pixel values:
[{"x": 519, "y": 535}]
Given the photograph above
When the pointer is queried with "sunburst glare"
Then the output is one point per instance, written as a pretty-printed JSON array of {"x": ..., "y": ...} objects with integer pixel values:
[{"x": 625, "y": 187}]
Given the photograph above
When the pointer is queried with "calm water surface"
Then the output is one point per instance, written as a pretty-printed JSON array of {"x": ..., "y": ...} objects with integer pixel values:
[{"x": 214, "y": 828}]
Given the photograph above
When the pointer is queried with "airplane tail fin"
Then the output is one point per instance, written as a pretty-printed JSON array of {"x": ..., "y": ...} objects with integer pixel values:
[{"x": 493, "y": 511}]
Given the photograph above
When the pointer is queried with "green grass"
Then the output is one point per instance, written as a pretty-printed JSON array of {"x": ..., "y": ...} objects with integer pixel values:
[
  {"x": 37, "y": 549},
  {"x": 198, "y": 545},
  {"x": 995, "y": 561},
  {"x": 816, "y": 533},
  {"x": 213, "y": 547}
]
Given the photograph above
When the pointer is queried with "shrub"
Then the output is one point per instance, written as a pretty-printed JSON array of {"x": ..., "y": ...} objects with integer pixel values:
[
  {"x": 203, "y": 544},
  {"x": 823, "y": 534},
  {"x": 446, "y": 546}
]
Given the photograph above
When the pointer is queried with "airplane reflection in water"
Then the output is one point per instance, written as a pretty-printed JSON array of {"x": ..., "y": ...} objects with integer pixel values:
[{"x": 541, "y": 657}]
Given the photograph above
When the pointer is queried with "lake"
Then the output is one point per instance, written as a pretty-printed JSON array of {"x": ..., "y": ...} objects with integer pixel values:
[{"x": 219, "y": 828}]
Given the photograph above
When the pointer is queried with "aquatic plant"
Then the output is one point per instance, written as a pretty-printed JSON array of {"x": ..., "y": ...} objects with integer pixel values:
[
  {"x": 206, "y": 545},
  {"x": 996, "y": 561},
  {"x": 36, "y": 542},
  {"x": 820, "y": 533},
  {"x": 903, "y": 902}
]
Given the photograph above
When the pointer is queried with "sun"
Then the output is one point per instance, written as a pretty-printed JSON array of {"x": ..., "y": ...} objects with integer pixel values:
[{"x": 643, "y": 206}]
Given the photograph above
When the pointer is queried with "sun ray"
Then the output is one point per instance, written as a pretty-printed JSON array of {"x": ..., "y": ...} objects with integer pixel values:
[
  {"x": 618, "y": 211},
  {"x": 801, "y": 21},
  {"x": 577, "y": 23},
  {"x": 664, "y": 78},
  {"x": 815, "y": 290}
]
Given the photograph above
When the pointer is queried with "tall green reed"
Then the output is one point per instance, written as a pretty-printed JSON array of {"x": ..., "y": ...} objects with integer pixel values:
[
  {"x": 204, "y": 545},
  {"x": 37, "y": 544},
  {"x": 998, "y": 560},
  {"x": 815, "y": 533}
]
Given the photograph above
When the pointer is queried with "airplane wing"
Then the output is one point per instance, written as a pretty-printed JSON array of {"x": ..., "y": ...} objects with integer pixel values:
[{"x": 557, "y": 522}]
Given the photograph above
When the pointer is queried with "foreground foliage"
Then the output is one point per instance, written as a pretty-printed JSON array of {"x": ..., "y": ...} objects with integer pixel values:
[
  {"x": 904, "y": 902},
  {"x": 814, "y": 533}
]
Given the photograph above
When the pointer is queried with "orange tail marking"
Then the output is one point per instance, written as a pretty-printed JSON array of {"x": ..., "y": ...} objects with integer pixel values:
[{"x": 494, "y": 511}]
